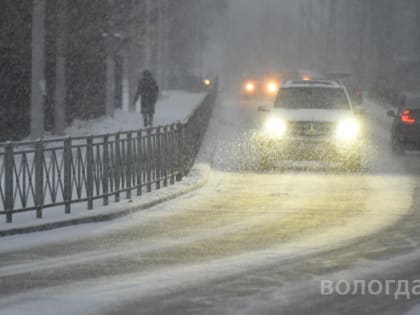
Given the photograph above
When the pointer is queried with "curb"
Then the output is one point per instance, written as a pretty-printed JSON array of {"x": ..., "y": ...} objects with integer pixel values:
[{"x": 117, "y": 210}]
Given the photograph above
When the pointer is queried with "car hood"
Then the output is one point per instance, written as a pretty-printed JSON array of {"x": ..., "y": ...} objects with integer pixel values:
[{"x": 312, "y": 114}]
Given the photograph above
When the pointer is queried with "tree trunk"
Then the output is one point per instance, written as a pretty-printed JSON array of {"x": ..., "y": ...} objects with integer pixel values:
[
  {"x": 165, "y": 82},
  {"x": 148, "y": 35},
  {"x": 161, "y": 39},
  {"x": 60, "y": 70},
  {"x": 126, "y": 79},
  {"x": 38, "y": 85},
  {"x": 110, "y": 64}
]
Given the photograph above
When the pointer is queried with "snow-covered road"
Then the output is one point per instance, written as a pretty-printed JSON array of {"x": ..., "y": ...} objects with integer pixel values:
[{"x": 246, "y": 243}]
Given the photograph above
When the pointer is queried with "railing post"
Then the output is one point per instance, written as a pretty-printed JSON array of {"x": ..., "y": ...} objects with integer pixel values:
[
  {"x": 149, "y": 160},
  {"x": 129, "y": 171},
  {"x": 8, "y": 181},
  {"x": 117, "y": 178},
  {"x": 106, "y": 170},
  {"x": 89, "y": 171},
  {"x": 67, "y": 193},
  {"x": 158, "y": 156},
  {"x": 172, "y": 154},
  {"x": 180, "y": 151},
  {"x": 165, "y": 156},
  {"x": 188, "y": 145},
  {"x": 139, "y": 162},
  {"x": 39, "y": 178}
]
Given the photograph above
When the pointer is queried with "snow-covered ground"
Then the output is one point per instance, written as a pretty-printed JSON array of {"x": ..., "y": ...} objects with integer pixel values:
[
  {"x": 173, "y": 106},
  {"x": 183, "y": 245}
]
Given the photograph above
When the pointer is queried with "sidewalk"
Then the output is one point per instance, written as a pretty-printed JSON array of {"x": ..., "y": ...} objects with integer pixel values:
[{"x": 173, "y": 106}]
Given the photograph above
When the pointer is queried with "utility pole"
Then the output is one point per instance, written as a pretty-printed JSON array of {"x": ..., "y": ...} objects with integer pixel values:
[
  {"x": 38, "y": 85},
  {"x": 60, "y": 69}
]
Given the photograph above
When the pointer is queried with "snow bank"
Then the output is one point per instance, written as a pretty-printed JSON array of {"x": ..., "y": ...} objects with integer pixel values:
[{"x": 174, "y": 105}]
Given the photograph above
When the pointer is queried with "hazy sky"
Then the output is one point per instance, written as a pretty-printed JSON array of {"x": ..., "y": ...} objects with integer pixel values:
[{"x": 263, "y": 33}]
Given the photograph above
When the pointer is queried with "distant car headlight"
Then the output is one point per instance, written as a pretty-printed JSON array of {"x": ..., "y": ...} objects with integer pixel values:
[
  {"x": 272, "y": 87},
  {"x": 275, "y": 127},
  {"x": 207, "y": 82},
  {"x": 249, "y": 87},
  {"x": 348, "y": 129}
]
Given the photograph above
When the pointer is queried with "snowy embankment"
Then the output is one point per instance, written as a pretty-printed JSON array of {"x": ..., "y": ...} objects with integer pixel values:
[{"x": 173, "y": 106}]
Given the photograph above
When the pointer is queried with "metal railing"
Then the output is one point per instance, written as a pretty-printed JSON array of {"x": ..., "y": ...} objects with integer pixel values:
[{"x": 43, "y": 174}]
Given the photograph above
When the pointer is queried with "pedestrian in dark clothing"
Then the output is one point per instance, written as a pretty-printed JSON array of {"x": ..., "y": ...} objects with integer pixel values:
[{"x": 149, "y": 91}]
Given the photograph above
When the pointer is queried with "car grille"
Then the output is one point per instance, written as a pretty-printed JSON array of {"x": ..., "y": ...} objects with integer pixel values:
[{"x": 311, "y": 128}]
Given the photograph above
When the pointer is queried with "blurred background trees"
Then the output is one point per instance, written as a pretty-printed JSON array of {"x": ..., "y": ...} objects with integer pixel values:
[
  {"x": 88, "y": 54},
  {"x": 85, "y": 57},
  {"x": 378, "y": 41}
]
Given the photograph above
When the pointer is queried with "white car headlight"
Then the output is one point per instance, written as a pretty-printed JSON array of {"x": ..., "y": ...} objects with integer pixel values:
[
  {"x": 272, "y": 87},
  {"x": 348, "y": 129},
  {"x": 275, "y": 127}
]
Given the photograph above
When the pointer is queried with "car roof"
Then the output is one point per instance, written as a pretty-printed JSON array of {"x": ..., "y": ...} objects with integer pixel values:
[{"x": 312, "y": 83}]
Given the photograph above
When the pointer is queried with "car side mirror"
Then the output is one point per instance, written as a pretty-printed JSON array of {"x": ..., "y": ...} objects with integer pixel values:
[
  {"x": 391, "y": 113},
  {"x": 359, "y": 110},
  {"x": 264, "y": 109}
]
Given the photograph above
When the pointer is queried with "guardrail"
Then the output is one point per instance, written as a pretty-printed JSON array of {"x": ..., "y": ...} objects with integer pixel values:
[{"x": 43, "y": 174}]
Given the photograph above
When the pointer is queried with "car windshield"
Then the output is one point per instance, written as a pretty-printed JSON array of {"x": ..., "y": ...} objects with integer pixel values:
[{"x": 312, "y": 98}]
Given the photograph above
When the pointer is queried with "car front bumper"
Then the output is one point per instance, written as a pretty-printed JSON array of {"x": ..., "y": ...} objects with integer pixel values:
[{"x": 308, "y": 148}]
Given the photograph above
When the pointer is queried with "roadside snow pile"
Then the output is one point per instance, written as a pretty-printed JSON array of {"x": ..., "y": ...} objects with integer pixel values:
[{"x": 174, "y": 106}]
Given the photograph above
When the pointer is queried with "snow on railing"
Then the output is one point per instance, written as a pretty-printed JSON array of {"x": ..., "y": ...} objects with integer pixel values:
[{"x": 35, "y": 175}]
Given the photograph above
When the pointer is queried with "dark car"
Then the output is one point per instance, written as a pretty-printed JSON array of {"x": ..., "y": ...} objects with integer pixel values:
[
  {"x": 405, "y": 132},
  {"x": 260, "y": 85}
]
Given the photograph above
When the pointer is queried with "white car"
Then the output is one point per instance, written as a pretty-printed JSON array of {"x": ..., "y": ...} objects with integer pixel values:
[{"x": 309, "y": 120}]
